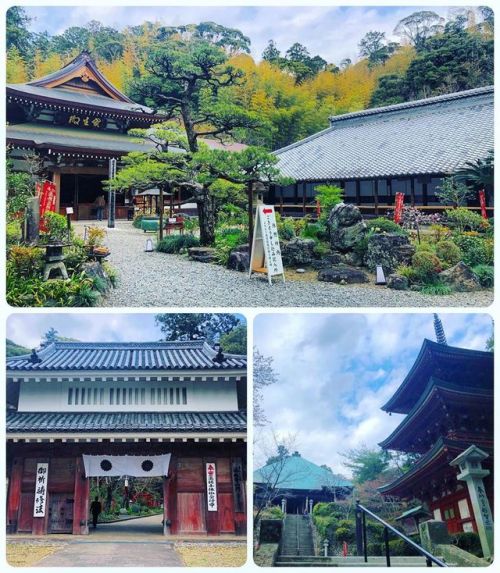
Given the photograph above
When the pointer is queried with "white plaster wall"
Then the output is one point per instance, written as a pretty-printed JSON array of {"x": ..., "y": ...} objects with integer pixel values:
[{"x": 201, "y": 396}]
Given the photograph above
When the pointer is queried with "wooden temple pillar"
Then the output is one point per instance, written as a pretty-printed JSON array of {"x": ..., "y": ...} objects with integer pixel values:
[
  {"x": 14, "y": 495},
  {"x": 56, "y": 179},
  {"x": 81, "y": 500},
  {"x": 170, "y": 500},
  {"x": 358, "y": 192},
  {"x": 375, "y": 195}
]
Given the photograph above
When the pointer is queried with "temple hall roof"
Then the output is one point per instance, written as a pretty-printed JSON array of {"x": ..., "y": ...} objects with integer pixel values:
[
  {"x": 113, "y": 356},
  {"x": 74, "y": 142},
  {"x": 297, "y": 473},
  {"x": 429, "y": 136}
]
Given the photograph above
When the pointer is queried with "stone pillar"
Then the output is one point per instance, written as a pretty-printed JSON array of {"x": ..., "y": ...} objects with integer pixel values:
[
  {"x": 433, "y": 533},
  {"x": 472, "y": 473},
  {"x": 283, "y": 505},
  {"x": 32, "y": 220},
  {"x": 310, "y": 506}
]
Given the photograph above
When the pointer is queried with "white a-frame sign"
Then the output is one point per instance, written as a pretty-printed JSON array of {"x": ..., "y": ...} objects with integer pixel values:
[{"x": 266, "y": 251}]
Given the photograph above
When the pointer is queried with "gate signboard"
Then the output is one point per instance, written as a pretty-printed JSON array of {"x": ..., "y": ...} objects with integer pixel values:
[
  {"x": 211, "y": 487},
  {"x": 42, "y": 474},
  {"x": 266, "y": 251}
]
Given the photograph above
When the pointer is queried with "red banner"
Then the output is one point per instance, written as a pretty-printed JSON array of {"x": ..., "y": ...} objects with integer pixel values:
[
  {"x": 398, "y": 209},
  {"x": 482, "y": 202},
  {"x": 47, "y": 193}
]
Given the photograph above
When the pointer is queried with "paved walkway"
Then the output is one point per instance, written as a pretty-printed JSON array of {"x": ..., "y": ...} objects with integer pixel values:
[
  {"x": 159, "y": 279},
  {"x": 134, "y": 543}
]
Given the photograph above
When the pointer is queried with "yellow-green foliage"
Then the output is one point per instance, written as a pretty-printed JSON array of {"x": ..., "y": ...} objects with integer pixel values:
[{"x": 448, "y": 252}]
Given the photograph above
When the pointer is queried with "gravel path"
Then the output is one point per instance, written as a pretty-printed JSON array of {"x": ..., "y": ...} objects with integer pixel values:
[{"x": 158, "y": 279}]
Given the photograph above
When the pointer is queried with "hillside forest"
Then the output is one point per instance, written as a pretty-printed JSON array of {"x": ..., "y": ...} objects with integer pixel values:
[{"x": 292, "y": 92}]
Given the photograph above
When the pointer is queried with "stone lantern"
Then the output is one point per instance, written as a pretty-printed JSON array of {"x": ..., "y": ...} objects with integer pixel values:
[{"x": 472, "y": 472}]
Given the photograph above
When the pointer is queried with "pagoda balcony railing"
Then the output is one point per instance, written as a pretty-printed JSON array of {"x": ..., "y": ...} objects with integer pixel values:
[{"x": 362, "y": 539}]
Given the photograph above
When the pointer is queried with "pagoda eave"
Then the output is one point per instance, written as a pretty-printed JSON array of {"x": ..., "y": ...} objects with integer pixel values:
[
  {"x": 435, "y": 463},
  {"x": 439, "y": 400}
]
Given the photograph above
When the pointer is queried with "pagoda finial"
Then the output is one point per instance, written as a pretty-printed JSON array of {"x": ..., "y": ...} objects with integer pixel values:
[{"x": 438, "y": 328}]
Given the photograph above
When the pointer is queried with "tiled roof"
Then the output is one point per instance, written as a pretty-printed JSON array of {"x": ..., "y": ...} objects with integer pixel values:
[
  {"x": 126, "y": 421},
  {"x": 61, "y": 96},
  {"x": 435, "y": 135},
  {"x": 49, "y": 136},
  {"x": 295, "y": 472},
  {"x": 99, "y": 356}
]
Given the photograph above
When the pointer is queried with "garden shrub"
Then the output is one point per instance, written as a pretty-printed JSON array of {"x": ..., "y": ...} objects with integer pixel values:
[
  {"x": 26, "y": 261},
  {"x": 425, "y": 246},
  {"x": 398, "y": 547},
  {"x": 173, "y": 244},
  {"x": 408, "y": 272},
  {"x": 436, "y": 289},
  {"x": 95, "y": 235},
  {"x": 321, "y": 249},
  {"x": 448, "y": 252},
  {"x": 328, "y": 196},
  {"x": 468, "y": 541},
  {"x": 439, "y": 232},
  {"x": 286, "y": 228},
  {"x": 57, "y": 227},
  {"x": 226, "y": 240},
  {"x": 14, "y": 233},
  {"x": 463, "y": 219},
  {"x": 375, "y": 531},
  {"x": 273, "y": 512},
  {"x": 426, "y": 266},
  {"x": 376, "y": 549},
  {"x": 77, "y": 291},
  {"x": 138, "y": 220},
  {"x": 315, "y": 231},
  {"x": 75, "y": 256},
  {"x": 476, "y": 249},
  {"x": 345, "y": 533},
  {"x": 485, "y": 274},
  {"x": 111, "y": 272},
  {"x": 384, "y": 225}
]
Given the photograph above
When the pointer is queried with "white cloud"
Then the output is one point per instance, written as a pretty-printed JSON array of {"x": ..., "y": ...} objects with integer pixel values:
[{"x": 331, "y": 32}]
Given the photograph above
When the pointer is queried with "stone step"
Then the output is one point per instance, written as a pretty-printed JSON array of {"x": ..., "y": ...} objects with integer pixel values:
[{"x": 351, "y": 561}]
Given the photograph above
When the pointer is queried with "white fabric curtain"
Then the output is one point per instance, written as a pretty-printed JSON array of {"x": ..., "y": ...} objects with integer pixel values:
[{"x": 134, "y": 466}]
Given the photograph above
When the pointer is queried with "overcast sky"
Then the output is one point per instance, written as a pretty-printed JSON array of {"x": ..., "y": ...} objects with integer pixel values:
[
  {"x": 331, "y": 32},
  {"x": 28, "y": 329},
  {"x": 336, "y": 371}
]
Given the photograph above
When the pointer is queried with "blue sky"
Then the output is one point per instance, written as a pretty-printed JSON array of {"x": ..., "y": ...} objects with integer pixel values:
[
  {"x": 336, "y": 371},
  {"x": 333, "y": 32},
  {"x": 28, "y": 329}
]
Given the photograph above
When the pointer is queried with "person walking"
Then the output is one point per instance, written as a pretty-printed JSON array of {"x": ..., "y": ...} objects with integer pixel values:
[
  {"x": 100, "y": 204},
  {"x": 95, "y": 510}
]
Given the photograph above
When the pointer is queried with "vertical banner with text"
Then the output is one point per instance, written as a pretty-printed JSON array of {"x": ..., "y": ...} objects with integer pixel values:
[
  {"x": 48, "y": 196},
  {"x": 211, "y": 486},
  {"x": 42, "y": 474},
  {"x": 398, "y": 209}
]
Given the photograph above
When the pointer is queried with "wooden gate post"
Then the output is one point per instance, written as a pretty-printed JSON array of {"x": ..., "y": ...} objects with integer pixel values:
[
  {"x": 14, "y": 496},
  {"x": 82, "y": 500}
]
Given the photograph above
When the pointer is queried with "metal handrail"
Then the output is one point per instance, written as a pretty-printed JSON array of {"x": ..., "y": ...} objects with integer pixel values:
[
  {"x": 297, "y": 533},
  {"x": 387, "y": 527}
]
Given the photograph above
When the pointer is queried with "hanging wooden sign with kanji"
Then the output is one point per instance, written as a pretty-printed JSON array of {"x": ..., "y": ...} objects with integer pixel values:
[
  {"x": 211, "y": 487},
  {"x": 42, "y": 474}
]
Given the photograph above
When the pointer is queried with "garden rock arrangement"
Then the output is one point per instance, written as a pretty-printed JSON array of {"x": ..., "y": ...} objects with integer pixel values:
[
  {"x": 461, "y": 278},
  {"x": 346, "y": 227},
  {"x": 298, "y": 252},
  {"x": 389, "y": 250},
  {"x": 343, "y": 274},
  {"x": 239, "y": 259},
  {"x": 202, "y": 254},
  {"x": 397, "y": 282}
]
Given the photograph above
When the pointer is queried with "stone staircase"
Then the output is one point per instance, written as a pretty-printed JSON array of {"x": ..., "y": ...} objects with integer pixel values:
[
  {"x": 350, "y": 561},
  {"x": 297, "y": 539}
]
